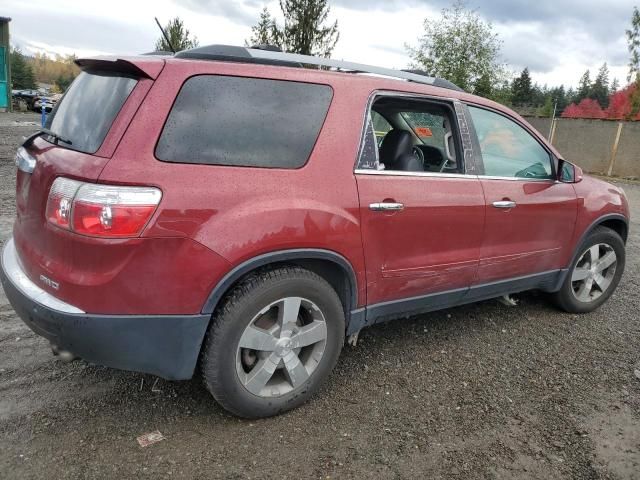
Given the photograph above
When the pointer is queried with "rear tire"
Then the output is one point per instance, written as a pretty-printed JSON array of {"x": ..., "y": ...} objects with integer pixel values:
[
  {"x": 595, "y": 274},
  {"x": 273, "y": 342}
]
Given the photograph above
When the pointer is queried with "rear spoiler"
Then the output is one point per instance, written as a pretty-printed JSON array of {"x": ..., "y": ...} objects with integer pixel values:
[{"x": 147, "y": 67}]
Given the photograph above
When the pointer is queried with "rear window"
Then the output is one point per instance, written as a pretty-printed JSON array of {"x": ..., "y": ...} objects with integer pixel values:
[
  {"x": 250, "y": 122},
  {"x": 89, "y": 107}
]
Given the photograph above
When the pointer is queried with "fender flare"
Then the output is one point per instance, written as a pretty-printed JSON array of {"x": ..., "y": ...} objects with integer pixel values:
[
  {"x": 587, "y": 231},
  {"x": 277, "y": 257}
]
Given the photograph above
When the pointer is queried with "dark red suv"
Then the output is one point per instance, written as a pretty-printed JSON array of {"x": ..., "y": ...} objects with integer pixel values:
[{"x": 245, "y": 210}]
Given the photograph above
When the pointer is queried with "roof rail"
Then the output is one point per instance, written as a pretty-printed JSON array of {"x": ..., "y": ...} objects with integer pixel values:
[{"x": 266, "y": 56}]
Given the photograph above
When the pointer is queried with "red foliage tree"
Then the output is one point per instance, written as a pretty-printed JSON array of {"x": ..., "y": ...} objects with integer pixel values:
[
  {"x": 587, "y": 108},
  {"x": 571, "y": 111},
  {"x": 620, "y": 104}
]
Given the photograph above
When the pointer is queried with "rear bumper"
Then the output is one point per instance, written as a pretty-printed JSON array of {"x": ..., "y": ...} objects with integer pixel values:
[{"x": 163, "y": 345}]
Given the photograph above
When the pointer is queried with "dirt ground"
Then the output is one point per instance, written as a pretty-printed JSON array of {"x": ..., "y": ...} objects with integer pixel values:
[{"x": 481, "y": 391}]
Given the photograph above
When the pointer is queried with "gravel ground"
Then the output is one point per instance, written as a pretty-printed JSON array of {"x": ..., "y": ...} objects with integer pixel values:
[{"x": 481, "y": 391}]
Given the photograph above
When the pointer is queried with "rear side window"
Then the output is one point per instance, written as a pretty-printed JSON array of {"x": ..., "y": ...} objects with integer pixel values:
[
  {"x": 87, "y": 110},
  {"x": 250, "y": 122}
]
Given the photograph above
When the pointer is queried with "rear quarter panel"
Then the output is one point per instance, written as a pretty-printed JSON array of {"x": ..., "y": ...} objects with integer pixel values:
[{"x": 241, "y": 212}]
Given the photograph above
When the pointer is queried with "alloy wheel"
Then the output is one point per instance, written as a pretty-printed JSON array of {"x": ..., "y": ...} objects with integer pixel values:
[
  {"x": 593, "y": 274},
  {"x": 281, "y": 347}
]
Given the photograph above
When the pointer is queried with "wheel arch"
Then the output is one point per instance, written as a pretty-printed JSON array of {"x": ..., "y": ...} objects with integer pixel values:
[
  {"x": 331, "y": 266},
  {"x": 615, "y": 221}
]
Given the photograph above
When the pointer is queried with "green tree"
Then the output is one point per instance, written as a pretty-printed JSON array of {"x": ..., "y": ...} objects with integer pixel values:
[
  {"x": 522, "y": 90},
  {"x": 460, "y": 47},
  {"x": 615, "y": 85},
  {"x": 501, "y": 93},
  {"x": 600, "y": 87},
  {"x": 584, "y": 88},
  {"x": 546, "y": 110},
  {"x": 22, "y": 76},
  {"x": 483, "y": 86},
  {"x": 265, "y": 32},
  {"x": 559, "y": 97},
  {"x": 179, "y": 36},
  {"x": 305, "y": 30},
  {"x": 633, "y": 41}
]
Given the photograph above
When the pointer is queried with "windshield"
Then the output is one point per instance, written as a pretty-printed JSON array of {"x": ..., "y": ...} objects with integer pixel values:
[
  {"x": 428, "y": 127},
  {"x": 88, "y": 108}
]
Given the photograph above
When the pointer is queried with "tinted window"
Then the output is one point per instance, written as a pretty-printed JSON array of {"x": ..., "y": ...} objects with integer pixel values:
[
  {"x": 244, "y": 122},
  {"x": 508, "y": 150},
  {"x": 380, "y": 126},
  {"x": 87, "y": 110}
]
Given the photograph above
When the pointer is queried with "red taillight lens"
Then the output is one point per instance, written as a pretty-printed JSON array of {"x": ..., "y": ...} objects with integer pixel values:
[
  {"x": 101, "y": 210},
  {"x": 61, "y": 196},
  {"x": 111, "y": 221}
]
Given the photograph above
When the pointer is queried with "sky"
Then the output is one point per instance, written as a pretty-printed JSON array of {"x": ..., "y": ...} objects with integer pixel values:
[{"x": 557, "y": 39}]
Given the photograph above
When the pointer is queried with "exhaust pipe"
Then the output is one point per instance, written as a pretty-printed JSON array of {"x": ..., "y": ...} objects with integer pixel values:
[{"x": 64, "y": 355}]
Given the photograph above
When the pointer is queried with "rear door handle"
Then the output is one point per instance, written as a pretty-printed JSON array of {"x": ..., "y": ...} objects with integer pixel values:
[
  {"x": 386, "y": 206},
  {"x": 504, "y": 204}
]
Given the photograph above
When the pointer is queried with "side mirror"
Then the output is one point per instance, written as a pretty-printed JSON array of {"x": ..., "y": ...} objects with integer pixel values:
[{"x": 569, "y": 173}]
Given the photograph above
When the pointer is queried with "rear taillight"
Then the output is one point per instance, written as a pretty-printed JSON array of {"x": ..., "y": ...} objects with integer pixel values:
[{"x": 101, "y": 210}]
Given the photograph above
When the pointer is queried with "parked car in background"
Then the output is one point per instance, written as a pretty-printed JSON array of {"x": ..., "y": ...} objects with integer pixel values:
[
  {"x": 28, "y": 96},
  {"x": 49, "y": 102},
  {"x": 229, "y": 208}
]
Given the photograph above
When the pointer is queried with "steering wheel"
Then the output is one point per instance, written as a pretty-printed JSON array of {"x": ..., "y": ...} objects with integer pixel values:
[{"x": 419, "y": 154}]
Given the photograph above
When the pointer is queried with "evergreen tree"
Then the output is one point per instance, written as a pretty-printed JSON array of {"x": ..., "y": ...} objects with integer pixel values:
[
  {"x": 633, "y": 41},
  {"x": 600, "y": 87},
  {"x": 265, "y": 32},
  {"x": 305, "y": 30},
  {"x": 483, "y": 86},
  {"x": 615, "y": 86},
  {"x": 522, "y": 90},
  {"x": 180, "y": 37},
  {"x": 22, "y": 77},
  {"x": 502, "y": 93},
  {"x": 560, "y": 97},
  {"x": 584, "y": 88}
]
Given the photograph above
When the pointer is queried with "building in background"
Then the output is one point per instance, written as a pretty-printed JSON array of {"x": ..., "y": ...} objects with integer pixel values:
[{"x": 5, "y": 70}]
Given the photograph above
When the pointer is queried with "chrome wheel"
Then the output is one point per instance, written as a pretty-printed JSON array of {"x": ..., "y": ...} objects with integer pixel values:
[
  {"x": 593, "y": 274},
  {"x": 281, "y": 347}
]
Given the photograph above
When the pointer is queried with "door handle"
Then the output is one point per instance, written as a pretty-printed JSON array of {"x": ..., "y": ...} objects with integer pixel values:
[
  {"x": 504, "y": 204},
  {"x": 386, "y": 206}
]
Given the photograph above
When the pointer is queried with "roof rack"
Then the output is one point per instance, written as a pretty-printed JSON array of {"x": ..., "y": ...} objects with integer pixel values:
[{"x": 262, "y": 55}]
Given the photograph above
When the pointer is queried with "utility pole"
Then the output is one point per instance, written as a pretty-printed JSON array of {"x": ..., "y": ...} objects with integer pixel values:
[{"x": 553, "y": 119}]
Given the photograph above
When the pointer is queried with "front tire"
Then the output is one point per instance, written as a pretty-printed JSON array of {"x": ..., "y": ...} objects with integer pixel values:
[
  {"x": 273, "y": 342},
  {"x": 595, "y": 273}
]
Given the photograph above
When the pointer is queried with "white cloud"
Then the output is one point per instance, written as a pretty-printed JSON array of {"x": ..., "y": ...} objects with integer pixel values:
[{"x": 557, "y": 43}]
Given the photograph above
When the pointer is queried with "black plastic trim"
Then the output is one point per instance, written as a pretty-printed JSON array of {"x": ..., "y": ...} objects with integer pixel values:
[
  {"x": 594, "y": 224},
  {"x": 611, "y": 216},
  {"x": 385, "y": 311},
  {"x": 164, "y": 345},
  {"x": 282, "y": 256}
]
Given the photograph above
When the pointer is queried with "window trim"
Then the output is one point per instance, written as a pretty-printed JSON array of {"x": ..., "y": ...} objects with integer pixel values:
[
  {"x": 448, "y": 102},
  {"x": 552, "y": 158},
  {"x": 250, "y": 77}
]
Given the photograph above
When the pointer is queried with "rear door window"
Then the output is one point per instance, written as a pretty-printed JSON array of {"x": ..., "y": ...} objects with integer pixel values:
[
  {"x": 85, "y": 114},
  {"x": 251, "y": 122}
]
